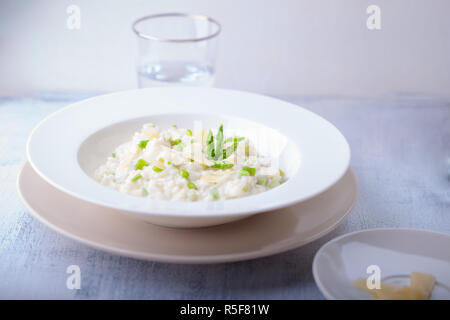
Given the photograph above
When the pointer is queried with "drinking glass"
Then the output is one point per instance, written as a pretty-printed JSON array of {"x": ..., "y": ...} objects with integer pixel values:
[{"x": 176, "y": 49}]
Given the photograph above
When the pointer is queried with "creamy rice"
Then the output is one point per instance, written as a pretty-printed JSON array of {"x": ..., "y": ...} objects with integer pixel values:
[{"x": 183, "y": 165}]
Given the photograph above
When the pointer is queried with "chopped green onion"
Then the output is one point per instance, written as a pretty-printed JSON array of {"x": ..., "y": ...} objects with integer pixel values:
[
  {"x": 243, "y": 172},
  {"x": 215, "y": 194},
  {"x": 262, "y": 181},
  {"x": 189, "y": 132},
  {"x": 191, "y": 160},
  {"x": 141, "y": 164},
  {"x": 282, "y": 174},
  {"x": 144, "y": 192},
  {"x": 136, "y": 177},
  {"x": 113, "y": 154},
  {"x": 157, "y": 169},
  {"x": 175, "y": 126},
  {"x": 191, "y": 185},
  {"x": 179, "y": 147},
  {"x": 184, "y": 173},
  {"x": 245, "y": 189},
  {"x": 174, "y": 142},
  {"x": 143, "y": 144},
  {"x": 273, "y": 183},
  {"x": 222, "y": 165},
  {"x": 251, "y": 171},
  {"x": 168, "y": 162}
]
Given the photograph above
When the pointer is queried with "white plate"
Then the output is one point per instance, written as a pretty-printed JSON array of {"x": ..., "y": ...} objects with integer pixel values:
[
  {"x": 261, "y": 235},
  {"x": 397, "y": 252},
  {"x": 67, "y": 146}
]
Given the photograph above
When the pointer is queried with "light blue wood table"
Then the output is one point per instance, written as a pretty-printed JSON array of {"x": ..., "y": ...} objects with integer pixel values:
[{"x": 400, "y": 153}]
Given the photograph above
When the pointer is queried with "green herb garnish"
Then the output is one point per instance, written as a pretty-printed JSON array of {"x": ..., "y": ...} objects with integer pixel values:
[
  {"x": 282, "y": 174},
  {"x": 210, "y": 145},
  {"x": 245, "y": 189},
  {"x": 157, "y": 169},
  {"x": 141, "y": 164},
  {"x": 222, "y": 165},
  {"x": 136, "y": 177},
  {"x": 113, "y": 154},
  {"x": 144, "y": 192},
  {"x": 143, "y": 144},
  {"x": 189, "y": 132},
  {"x": 233, "y": 139},
  {"x": 218, "y": 153},
  {"x": 229, "y": 150}
]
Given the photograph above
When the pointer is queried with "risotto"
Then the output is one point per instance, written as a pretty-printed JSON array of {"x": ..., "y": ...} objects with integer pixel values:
[{"x": 183, "y": 165}]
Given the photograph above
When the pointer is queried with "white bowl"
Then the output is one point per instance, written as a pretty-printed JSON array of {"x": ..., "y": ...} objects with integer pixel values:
[
  {"x": 396, "y": 252},
  {"x": 66, "y": 147},
  {"x": 261, "y": 235}
]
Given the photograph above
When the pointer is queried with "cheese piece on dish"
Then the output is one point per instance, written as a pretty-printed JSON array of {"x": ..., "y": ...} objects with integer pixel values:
[{"x": 421, "y": 287}]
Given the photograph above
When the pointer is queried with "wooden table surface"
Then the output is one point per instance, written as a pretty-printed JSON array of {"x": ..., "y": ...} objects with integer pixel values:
[{"x": 400, "y": 154}]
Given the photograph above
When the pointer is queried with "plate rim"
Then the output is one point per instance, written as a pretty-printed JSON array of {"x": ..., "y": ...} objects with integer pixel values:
[
  {"x": 319, "y": 283},
  {"x": 167, "y": 258},
  {"x": 193, "y": 210}
]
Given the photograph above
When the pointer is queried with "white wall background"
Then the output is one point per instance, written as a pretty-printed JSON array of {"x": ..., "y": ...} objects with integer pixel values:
[{"x": 289, "y": 47}]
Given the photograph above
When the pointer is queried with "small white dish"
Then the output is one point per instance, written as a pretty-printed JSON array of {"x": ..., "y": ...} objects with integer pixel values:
[
  {"x": 262, "y": 235},
  {"x": 397, "y": 253},
  {"x": 66, "y": 148}
]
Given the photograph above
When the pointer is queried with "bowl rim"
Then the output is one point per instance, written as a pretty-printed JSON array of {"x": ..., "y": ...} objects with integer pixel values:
[{"x": 187, "y": 209}]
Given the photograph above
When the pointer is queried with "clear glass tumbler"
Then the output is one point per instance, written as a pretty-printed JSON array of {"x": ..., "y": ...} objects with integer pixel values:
[{"x": 176, "y": 49}]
